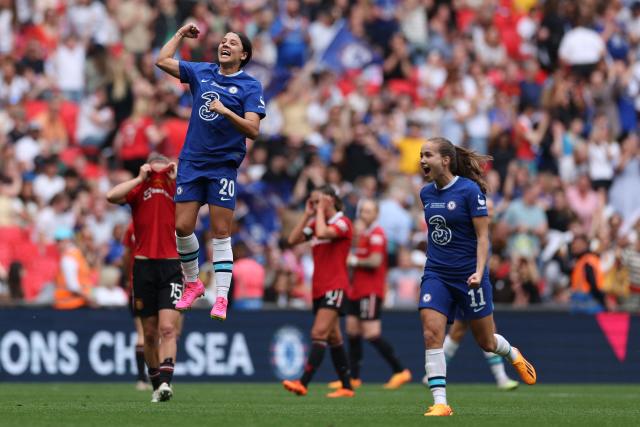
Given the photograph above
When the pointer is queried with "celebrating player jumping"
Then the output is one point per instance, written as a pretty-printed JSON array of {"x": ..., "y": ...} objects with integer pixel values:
[
  {"x": 227, "y": 108},
  {"x": 455, "y": 278}
]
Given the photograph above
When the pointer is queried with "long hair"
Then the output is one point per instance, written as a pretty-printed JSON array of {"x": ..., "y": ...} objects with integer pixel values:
[
  {"x": 330, "y": 191},
  {"x": 466, "y": 163},
  {"x": 246, "y": 47}
]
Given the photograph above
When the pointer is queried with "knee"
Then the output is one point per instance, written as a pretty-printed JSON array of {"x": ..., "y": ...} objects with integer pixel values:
[
  {"x": 168, "y": 331},
  {"x": 319, "y": 334},
  {"x": 151, "y": 337},
  {"x": 487, "y": 344},
  {"x": 183, "y": 229},
  {"x": 221, "y": 230},
  {"x": 433, "y": 338},
  {"x": 371, "y": 336}
]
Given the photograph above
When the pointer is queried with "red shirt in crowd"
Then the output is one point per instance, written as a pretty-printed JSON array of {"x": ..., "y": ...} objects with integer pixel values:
[
  {"x": 153, "y": 212},
  {"x": 134, "y": 142},
  {"x": 330, "y": 257},
  {"x": 368, "y": 281}
]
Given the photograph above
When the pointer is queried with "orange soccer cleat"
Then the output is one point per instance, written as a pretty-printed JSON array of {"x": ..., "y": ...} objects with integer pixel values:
[
  {"x": 397, "y": 380},
  {"x": 295, "y": 387},
  {"x": 355, "y": 383},
  {"x": 341, "y": 392},
  {"x": 439, "y": 410},
  {"x": 525, "y": 369}
]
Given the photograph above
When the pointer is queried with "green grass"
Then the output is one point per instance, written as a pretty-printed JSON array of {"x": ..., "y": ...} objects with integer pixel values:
[{"x": 232, "y": 405}]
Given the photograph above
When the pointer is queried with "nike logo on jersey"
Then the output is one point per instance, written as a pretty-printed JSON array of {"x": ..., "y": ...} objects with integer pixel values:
[
  {"x": 203, "y": 81},
  {"x": 224, "y": 199},
  {"x": 475, "y": 310}
]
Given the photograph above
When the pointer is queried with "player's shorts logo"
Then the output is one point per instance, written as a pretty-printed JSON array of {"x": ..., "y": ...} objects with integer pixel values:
[
  {"x": 233, "y": 90},
  {"x": 440, "y": 233},
  {"x": 203, "y": 111},
  {"x": 451, "y": 205},
  {"x": 288, "y": 353},
  {"x": 426, "y": 298},
  {"x": 179, "y": 190}
]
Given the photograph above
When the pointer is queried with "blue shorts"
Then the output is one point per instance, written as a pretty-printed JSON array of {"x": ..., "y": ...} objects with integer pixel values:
[
  {"x": 452, "y": 296},
  {"x": 206, "y": 183}
]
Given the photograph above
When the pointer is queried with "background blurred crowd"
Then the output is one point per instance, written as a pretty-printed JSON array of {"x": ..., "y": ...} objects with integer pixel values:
[{"x": 551, "y": 89}]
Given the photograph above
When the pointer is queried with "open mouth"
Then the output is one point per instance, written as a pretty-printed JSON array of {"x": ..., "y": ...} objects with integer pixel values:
[
  {"x": 225, "y": 53},
  {"x": 425, "y": 169}
]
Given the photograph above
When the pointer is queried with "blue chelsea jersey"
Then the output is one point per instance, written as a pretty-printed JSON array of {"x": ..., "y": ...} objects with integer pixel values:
[
  {"x": 211, "y": 138},
  {"x": 449, "y": 212}
]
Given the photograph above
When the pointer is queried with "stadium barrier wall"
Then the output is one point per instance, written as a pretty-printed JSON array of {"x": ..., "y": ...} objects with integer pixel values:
[{"x": 266, "y": 346}]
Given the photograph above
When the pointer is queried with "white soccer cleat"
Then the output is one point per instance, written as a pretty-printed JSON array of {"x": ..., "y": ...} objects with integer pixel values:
[
  {"x": 155, "y": 396},
  {"x": 165, "y": 392}
]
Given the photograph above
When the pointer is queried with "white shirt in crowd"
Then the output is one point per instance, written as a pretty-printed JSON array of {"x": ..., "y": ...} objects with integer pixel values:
[
  {"x": 602, "y": 160},
  {"x": 581, "y": 46},
  {"x": 67, "y": 67},
  {"x": 45, "y": 187}
]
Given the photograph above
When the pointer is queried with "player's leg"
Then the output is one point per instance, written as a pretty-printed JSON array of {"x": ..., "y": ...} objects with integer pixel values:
[
  {"x": 221, "y": 219},
  {"x": 188, "y": 249},
  {"x": 476, "y": 306},
  {"x": 354, "y": 336},
  {"x": 168, "y": 320},
  {"x": 483, "y": 332},
  {"x": 145, "y": 306},
  {"x": 142, "y": 380},
  {"x": 340, "y": 363},
  {"x": 370, "y": 311},
  {"x": 454, "y": 338},
  {"x": 322, "y": 327},
  {"x": 434, "y": 324},
  {"x": 496, "y": 364},
  {"x": 437, "y": 306}
]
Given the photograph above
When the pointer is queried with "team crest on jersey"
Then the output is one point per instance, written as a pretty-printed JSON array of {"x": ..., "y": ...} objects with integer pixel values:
[
  {"x": 233, "y": 90},
  {"x": 203, "y": 111},
  {"x": 179, "y": 190},
  {"x": 426, "y": 298},
  {"x": 451, "y": 205},
  {"x": 288, "y": 353}
]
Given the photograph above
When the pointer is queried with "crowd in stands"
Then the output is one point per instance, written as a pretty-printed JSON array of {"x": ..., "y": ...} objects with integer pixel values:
[{"x": 550, "y": 89}]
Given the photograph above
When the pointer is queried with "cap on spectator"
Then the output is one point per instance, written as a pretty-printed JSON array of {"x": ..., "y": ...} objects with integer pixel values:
[{"x": 63, "y": 233}]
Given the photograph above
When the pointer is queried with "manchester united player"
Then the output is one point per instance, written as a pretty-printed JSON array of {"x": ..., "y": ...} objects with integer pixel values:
[
  {"x": 157, "y": 278},
  {"x": 330, "y": 233},
  {"x": 366, "y": 296}
]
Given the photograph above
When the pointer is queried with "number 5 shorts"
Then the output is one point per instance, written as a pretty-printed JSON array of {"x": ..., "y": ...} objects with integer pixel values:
[
  {"x": 203, "y": 182},
  {"x": 157, "y": 285},
  {"x": 451, "y": 296}
]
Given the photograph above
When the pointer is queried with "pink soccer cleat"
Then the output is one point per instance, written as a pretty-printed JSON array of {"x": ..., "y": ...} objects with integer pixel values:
[
  {"x": 192, "y": 291},
  {"x": 219, "y": 310}
]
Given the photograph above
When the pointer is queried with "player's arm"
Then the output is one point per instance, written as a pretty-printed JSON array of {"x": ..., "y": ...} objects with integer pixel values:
[
  {"x": 481, "y": 226},
  {"x": 166, "y": 62},
  {"x": 324, "y": 230},
  {"x": 372, "y": 261},
  {"x": 249, "y": 125},
  {"x": 302, "y": 232},
  {"x": 118, "y": 194}
]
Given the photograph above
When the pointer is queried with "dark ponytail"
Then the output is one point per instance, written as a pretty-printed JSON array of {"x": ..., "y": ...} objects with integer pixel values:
[
  {"x": 330, "y": 191},
  {"x": 464, "y": 162}
]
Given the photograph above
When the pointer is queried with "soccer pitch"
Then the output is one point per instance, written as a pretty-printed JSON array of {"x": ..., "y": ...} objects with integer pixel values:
[{"x": 221, "y": 404}]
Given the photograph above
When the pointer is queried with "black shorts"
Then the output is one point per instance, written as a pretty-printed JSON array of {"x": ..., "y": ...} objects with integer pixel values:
[
  {"x": 367, "y": 308},
  {"x": 157, "y": 284},
  {"x": 331, "y": 299}
]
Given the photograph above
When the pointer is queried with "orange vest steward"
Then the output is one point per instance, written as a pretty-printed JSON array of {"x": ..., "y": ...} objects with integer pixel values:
[
  {"x": 65, "y": 299},
  {"x": 579, "y": 281}
]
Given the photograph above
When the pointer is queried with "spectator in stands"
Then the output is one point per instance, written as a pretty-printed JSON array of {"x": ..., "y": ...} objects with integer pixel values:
[
  {"x": 248, "y": 280},
  {"x": 527, "y": 224},
  {"x": 586, "y": 278},
  {"x": 74, "y": 282},
  {"x": 48, "y": 183}
]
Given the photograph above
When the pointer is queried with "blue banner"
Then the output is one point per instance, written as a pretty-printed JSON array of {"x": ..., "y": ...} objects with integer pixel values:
[
  {"x": 347, "y": 52},
  {"x": 98, "y": 345}
]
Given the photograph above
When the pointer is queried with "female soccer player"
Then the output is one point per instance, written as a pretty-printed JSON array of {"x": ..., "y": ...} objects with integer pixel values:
[
  {"x": 369, "y": 263},
  {"x": 227, "y": 109},
  {"x": 330, "y": 233},
  {"x": 455, "y": 278}
]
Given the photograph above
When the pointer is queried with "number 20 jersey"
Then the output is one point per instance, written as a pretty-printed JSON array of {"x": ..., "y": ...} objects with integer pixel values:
[
  {"x": 449, "y": 212},
  {"x": 212, "y": 138}
]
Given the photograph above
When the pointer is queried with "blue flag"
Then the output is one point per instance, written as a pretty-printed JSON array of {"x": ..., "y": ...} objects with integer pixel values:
[{"x": 347, "y": 52}]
